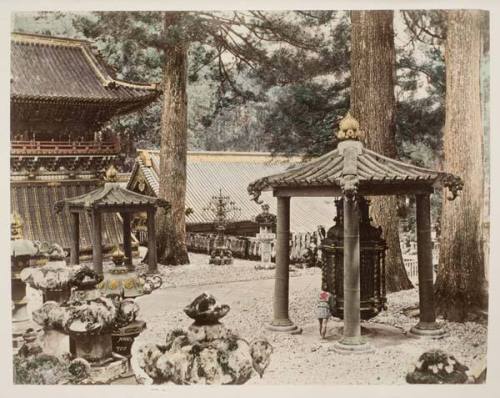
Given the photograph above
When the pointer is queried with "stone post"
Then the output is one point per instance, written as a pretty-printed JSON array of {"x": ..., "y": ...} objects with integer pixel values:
[
  {"x": 281, "y": 321},
  {"x": 351, "y": 341},
  {"x": 427, "y": 327},
  {"x": 96, "y": 242},
  {"x": 266, "y": 237},
  {"x": 152, "y": 261},
  {"x": 75, "y": 239},
  {"x": 127, "y": 241}
]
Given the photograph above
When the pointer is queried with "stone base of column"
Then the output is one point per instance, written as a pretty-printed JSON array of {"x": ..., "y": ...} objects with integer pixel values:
[
  {"x": 353, "y": 345},
  {"x": 285, "y": 326},
  {"x": 431, "y": 330}
]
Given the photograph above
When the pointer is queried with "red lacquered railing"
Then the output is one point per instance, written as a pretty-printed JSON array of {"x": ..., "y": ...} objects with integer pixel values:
[{"x": 64, "y": 147}]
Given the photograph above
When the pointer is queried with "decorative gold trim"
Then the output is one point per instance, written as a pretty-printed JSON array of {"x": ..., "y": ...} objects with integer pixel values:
[
  {"x": 349, "y": 129},
  {"x": 16, "y": 226}
]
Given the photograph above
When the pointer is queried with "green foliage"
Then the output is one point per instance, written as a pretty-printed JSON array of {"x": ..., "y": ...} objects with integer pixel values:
[
  {"x": 263, "y": 80},
  {"x": 40, "y": 369}
]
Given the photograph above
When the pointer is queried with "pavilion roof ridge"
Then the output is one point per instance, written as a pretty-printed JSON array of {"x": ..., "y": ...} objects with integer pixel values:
[
  {"x": 352, "y": 166},
  {"x": 109, "y": 195}
]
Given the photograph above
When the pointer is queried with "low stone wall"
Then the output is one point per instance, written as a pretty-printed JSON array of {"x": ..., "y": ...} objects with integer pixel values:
[{"x": 249, "y": 247}]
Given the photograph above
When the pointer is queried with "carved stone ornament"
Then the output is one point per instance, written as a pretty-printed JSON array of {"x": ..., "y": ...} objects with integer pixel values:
[{"x": 349, "y": 129}]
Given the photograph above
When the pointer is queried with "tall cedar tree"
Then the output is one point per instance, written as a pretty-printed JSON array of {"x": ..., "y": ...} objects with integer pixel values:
[
  {"x": 374, "y": 105},
  {"x": 173, "y": 144},
  {"x": 461, "y": 278},
  {"x": 225, "y": 43}
]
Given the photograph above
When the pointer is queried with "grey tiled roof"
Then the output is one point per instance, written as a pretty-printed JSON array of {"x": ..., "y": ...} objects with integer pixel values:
[
  {"x": 45, "y": 68},
  {"x": 351, "y": 167},
  {"x": 111, "y": 194},
  {"x": 207, "y": 172}
]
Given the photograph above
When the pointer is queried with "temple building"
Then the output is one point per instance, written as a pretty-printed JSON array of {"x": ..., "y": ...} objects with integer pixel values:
[
  {"x": 62, "y": 97},
  {"x": 209, "y": 173}
]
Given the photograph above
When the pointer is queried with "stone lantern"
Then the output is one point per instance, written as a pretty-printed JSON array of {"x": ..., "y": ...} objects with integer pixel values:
[
  {"x": 266, "y": 222},
  {"x": 22, "y": 253},
  {"x": 372, "y": 263}
]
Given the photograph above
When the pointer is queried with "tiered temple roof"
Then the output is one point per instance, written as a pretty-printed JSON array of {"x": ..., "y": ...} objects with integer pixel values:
[
  {"x": 62, "y": 94},
  {"x": 51, "y": 75}
]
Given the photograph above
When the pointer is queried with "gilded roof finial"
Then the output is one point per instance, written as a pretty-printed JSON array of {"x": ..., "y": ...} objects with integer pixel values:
[
  {"x": 349, "y": 129},
  {"x": 111, "y": 174},
  {"x": 16, "y": 226}
]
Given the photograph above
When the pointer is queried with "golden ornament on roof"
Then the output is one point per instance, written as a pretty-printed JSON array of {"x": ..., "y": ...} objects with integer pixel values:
[
  {"x": 111, "y": 174},
  {"x": 349, "y": 129},
  {"x": 16, "y": 226}
]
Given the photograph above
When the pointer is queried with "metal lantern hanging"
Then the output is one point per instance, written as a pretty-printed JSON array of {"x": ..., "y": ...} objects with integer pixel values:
[{"x": 372, "y": 263}]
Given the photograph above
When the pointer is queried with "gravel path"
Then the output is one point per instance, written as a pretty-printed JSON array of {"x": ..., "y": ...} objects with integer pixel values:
[{"x": 302, "y": 359}]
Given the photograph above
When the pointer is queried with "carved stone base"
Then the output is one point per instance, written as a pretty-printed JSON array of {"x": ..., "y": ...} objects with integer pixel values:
[
  {"x": 265, "y": 266},
  {"x": 430, "y": 330},
  {"x": 95, "y": 348},
  {"x": 103, "y": 374},
  {"x": 353, "y": 345},
  {"x": 55, "y": 343},
  {"x": 285, "y": 326}
]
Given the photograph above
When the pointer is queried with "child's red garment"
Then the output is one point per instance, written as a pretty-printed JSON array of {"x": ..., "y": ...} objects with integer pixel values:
[{"x": 324, "y": 303}]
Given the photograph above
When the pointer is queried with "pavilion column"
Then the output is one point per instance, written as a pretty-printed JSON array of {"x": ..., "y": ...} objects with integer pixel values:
[
  {"x": 281, "y": 322},
  {"x": 96, "y": 242},
  {"x": 427, "y": 325},
  {"x": 351, "y": 341},
  {"x": 152, "y": 262},
  {"x": 75, "y": 239},
  {"x": 127, "y": 240}
]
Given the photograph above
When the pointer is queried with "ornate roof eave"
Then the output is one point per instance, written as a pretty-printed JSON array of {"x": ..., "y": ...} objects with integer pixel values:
[
  {"x": 141, "y": 99},
  {"x": 98, "y": 200},
  {"x": 352, "y": 166}
]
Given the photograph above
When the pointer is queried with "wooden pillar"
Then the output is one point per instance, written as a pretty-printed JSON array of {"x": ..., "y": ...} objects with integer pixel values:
[
  {"x": 96, "y": 242},
  {"x": 152, "y": 262},
  {"x": 427, "y": 325},
  {"x": 281, "y": 321},
  {"x": 351, "y": 341},
  {"x": 127, "y": 240},
  {"x": 75, "y": 239}
]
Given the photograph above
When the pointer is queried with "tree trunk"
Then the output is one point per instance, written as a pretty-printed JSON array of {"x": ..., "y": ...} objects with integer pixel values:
[
  {"x": 460, "y": 280},
  {"x": 173, "y": 149},
  {"x": 374, "y": 105}
]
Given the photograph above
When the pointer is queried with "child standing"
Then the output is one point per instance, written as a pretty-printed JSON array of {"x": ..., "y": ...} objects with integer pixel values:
[{"x": 325, "y": 303}]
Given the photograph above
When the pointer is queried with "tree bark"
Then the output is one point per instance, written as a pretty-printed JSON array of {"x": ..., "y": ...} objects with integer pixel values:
[
  {"x": 461, "y": 278},
  {"x": 173, "y": 147},
  {"x": 373, "y": 104}
]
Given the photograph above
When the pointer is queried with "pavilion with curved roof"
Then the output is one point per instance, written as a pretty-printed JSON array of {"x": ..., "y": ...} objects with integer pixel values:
[{"x": 352, "y": 171}]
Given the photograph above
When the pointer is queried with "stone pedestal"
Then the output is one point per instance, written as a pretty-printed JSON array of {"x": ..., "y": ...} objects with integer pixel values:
[
  {"x": 21, "y": 319},
  {"x": 58, "y": 295},
  {"x": 55, "y": 342},
  {"x": 122, "y": 340},
  {"x": 266, "y": 239},
  {"x": 114, "y": 368},
  {"x": 93, "y": 347},
  {"x": 353, "y": 345},
  {"x": 431, "y": 330}
]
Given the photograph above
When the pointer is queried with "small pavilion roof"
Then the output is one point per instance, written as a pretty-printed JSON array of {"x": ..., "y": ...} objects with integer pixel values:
[
  {"x": 112, "y": 196},
  {"x": 352, "y": 168},
  {"x": 63, "y": 70}
]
